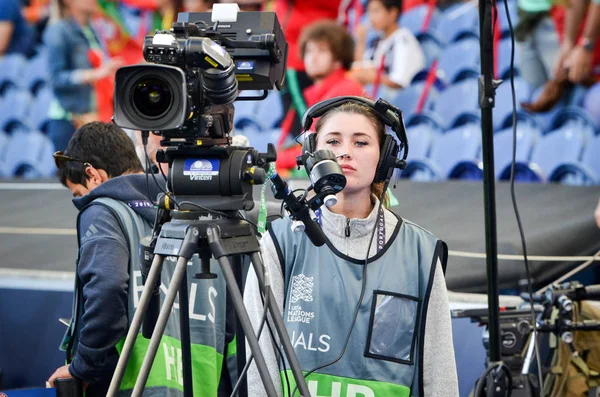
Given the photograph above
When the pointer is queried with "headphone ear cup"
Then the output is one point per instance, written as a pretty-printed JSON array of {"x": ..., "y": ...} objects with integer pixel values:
[{"x": 387, "y": 158}]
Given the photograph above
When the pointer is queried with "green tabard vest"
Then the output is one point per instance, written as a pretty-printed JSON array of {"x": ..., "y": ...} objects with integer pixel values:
[
  {"x": 322, "y": 288},
  {"x": 207, "y": 304}
]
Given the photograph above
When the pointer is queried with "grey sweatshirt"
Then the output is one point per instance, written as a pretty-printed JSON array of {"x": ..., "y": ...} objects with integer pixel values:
[{"x": 439, "y": 367}]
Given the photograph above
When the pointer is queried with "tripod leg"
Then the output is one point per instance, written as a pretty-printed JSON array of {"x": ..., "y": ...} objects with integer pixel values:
[
  {"x": 238, "y": 302},
  {"x": 280, "y": 328},
  {"x": 161, "y": 323},
  {"x": 136, "y": 323}
]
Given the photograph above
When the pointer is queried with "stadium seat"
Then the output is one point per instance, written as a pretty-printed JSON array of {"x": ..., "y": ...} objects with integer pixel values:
[
  {"x": 454, "y": 154},
  {"x": 459, "y": 61},
  {"x": 408, "y": 99},
  {"x": 514, "y": 17},
  {"x": 421, "y": 133},
  {"x": 503, "y": 107},
  {"x": 575, "y": 119},
  {"x": 431, "y": 46},
  {"x": 29, "y": 155},
  {"x": 585, "y": 172},
  {"x": 3, "y": 142},
  {"x": 38, "y": 112},
  {"x": 544, "y": 120},
  {"x": 527, "y": 136},
  {"x": 266, "y": 113},
  {"x": 504, "y": 53},
  {"x": 458, "y": 22},
  {"x": 37, "y": 75},
  {"x": 564, "y": 145},
  {"x": 413, "y": 19},
  {"x": 14, "y": 109},
  {"x": 591, "y": 103},
  {"x": 12, "y": 69},
  {"x": 457, "y": 104}
]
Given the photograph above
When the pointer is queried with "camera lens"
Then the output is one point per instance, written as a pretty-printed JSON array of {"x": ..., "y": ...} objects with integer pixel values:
[{"x": 151, "y": 97}]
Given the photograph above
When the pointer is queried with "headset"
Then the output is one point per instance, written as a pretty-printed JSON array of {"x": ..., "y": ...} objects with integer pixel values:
[{"x": 389, "y": 114}]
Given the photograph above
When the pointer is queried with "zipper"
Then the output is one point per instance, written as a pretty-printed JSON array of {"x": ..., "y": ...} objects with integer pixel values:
[{"x": 347, "y": 230}]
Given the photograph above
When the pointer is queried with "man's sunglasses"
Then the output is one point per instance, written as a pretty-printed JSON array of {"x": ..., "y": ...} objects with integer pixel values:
[{"x": 60, "y": 159}]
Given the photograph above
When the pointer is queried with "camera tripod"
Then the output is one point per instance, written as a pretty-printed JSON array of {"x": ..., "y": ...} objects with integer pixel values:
[{"x": 189, "y": 233}]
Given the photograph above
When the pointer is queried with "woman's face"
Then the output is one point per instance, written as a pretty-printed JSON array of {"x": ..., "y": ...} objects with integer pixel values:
[
  {"x": 355, "y": 136},
  {"x": 379, "y": 16}
]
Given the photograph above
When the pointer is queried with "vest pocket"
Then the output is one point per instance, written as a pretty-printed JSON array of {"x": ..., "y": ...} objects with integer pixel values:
[{"x": 393, "y": 327}]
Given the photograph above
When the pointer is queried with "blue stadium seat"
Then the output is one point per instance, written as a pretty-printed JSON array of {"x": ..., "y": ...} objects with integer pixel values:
[
  {"x": 408, "y": 98},
  {"x": 575, "y": 119},
  {"x": 514, "y": 17},
  {"x": 431, "y": 46},
  {"x": 504, "y": 52},
  {"x": 458, "y": 22},
  {"x": 29, "y": 155},
  {"x": 585, "y": 172},
  {"x": 413, "y": 18},
  {"x": 527, "y": 136},
  {"x": 421, "y": 133},
  {"x": 12, "y": 69},
  {"x": 591, "y": 103},
  {"x": 564, "y": 145},
  {"x": 458, "y": 104},
  {"x": 38, "y": 112},
  {"x": 37, "y": 74},
  {"x": 454, "y": 154},
  {"x": 459, "y": 61},
  {"x": 503, "y": 107},
  {"x": 14, "y": 109},
  {"x": 544, "y": 120},
  {"x": 266, "y": 113},
  {"x": 3, "y": 142}
]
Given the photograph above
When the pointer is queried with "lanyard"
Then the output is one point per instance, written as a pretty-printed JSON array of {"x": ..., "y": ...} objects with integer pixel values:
[{"x": 380, "y": 228}]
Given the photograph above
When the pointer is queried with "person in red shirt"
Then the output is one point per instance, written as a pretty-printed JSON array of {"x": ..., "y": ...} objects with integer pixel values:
[{"x": 327, "y": 51}]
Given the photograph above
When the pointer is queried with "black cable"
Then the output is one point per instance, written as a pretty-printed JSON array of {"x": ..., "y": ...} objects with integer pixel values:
[
  {"x": 513, "y": 196},
  {"x": 481, "y": 382},
  {"x": 147, "y": 161},
  {"x": 360, "y": 299}
]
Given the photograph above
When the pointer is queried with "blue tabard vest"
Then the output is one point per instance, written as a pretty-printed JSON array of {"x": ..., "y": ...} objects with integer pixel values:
[
  {"x": 207, "y": 307},
  {"x": 322, "y": 288}
]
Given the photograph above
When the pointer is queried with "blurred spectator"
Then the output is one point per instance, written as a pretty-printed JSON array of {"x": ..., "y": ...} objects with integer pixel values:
[
  {"x": 293, "y": 17},
  {"x": 394, "y": 58},
  {"x": 74, "y": 49},
  {"x": 580, "y": 58},
  {"x": 327, "y": 50},
  {"x": 16, "y": 36},
  {"x": 537, "y": 41},
  {"x": 198, "y": 5}
]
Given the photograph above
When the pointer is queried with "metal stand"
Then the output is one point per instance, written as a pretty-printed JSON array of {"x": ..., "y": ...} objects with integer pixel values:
[
  {"x": 487, "y": 92},
  {"x": 224, "y": 238}
]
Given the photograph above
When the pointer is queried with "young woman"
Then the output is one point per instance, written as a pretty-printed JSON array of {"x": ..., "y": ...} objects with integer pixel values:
[{"x": 401, "y": 339}]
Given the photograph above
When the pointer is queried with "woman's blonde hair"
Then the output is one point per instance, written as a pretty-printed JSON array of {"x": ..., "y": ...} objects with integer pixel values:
[{"x": 371, "y": 114}]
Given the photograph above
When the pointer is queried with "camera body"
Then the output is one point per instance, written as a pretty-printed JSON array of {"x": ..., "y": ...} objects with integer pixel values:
[{"x": 195, "y": 73}]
